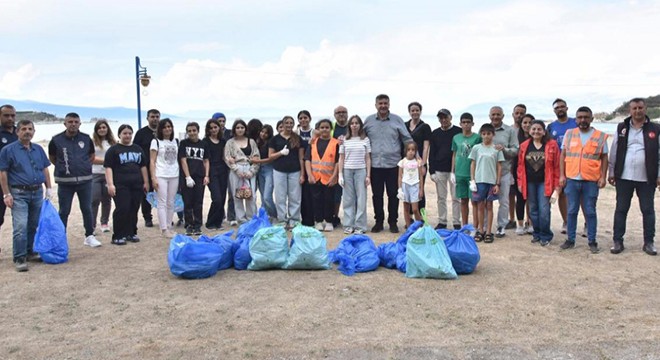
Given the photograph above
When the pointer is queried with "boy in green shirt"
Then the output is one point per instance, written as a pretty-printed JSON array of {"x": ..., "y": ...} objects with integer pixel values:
[{"x": 461, "y": 146}]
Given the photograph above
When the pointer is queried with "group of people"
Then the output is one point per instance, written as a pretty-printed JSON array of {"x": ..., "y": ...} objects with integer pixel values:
[{"x": 304, "y": 174}]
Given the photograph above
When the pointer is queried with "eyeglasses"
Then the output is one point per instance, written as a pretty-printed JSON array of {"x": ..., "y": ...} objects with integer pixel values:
[{"x": 341, "y": 112}]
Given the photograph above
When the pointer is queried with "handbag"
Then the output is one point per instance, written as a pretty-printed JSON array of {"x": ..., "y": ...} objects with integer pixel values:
[{"x": 245, "y": 191}]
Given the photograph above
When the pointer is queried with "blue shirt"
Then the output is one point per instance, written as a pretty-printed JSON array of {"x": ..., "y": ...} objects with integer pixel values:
[
  {"x": 387, "y": 137},
  {"x": 557, "y": 130},
  {"x": 23, "y": 166}
]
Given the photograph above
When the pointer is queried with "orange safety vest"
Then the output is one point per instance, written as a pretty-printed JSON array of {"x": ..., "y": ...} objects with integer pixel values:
[
  {"x": 323, "y": 168},
  {"x": 583, "y": 160}
]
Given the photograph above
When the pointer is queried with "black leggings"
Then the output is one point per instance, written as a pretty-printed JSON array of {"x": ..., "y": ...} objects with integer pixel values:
[{"x": 520, "y": 205}]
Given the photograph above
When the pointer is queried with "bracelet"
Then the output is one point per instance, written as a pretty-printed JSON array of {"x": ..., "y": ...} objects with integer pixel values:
[{"x": 6, "y": 196}]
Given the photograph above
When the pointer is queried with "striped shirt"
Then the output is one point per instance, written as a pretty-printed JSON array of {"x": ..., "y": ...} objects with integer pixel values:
[{"x": 354, "y": 151}]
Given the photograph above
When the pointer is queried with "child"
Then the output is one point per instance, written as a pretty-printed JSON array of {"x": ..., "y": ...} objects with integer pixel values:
[
  {"x": 485, "y": 171},
  {"x": 411, "y": 182},
  {"x": 355, "y": 176},
  {"x": 194, "y": 159},
  {"x": 461, "y": 146},
  {"x": 321, "y": 159}
]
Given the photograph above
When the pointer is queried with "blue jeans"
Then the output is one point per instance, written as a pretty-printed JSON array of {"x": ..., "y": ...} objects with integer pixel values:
[
  {"x": 355, "y": 199},
  {"x": 585, "y": 192},
  {"x": 265, "y": 182},
  {"x": 65, "y": 194},
  {"x": 25, "y": 218},
  {"x": 539, "y": 211}
]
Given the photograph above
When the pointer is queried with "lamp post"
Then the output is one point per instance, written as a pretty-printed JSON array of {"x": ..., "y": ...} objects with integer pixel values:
[{"x": 141, "y": 78}]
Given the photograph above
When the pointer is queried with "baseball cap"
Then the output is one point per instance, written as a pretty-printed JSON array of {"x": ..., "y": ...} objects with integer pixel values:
[{"x": 443, "y": 112}]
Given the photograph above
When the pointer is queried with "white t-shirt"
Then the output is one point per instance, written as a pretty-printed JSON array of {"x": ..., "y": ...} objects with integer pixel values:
[
  {"x": 167, "y": 164},
  {"x": 355, "y": 151},
  {"x": 100, "y": 153},
  {"x": 410, "y": 171}
]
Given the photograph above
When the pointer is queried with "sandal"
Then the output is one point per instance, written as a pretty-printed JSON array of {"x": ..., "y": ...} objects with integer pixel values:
[
  {"x": 478, "y": 237},
  {"x": 489, "y": 238}
]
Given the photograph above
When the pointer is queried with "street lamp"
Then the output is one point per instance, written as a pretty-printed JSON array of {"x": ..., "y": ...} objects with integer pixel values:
[{"x": 141, "y": 78}]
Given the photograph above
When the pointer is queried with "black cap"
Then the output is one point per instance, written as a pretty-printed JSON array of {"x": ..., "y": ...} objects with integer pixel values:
[{"x": 443, "y": 112}]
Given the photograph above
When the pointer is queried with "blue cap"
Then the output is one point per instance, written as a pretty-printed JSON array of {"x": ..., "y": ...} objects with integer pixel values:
[{"x": 218, "y": 115}]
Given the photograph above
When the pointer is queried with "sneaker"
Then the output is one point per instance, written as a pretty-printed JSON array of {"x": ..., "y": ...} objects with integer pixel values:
[
  {"x": 197, "y": 230},
  {"x": 319, "y": 226},
  {"x": 567, "y": 245},
  {"x": 377, "y": 228},
  {"x": 500, "y": 232},
  {"x": 105, "y": 228},
  {"x": 148, "y": 223},
  {"x": 168, "y": 233},
  {"x": 440, "y": 226},
  {"x": 189, "y": 230},
  {"x": 535, "y": 240},
  {"x": 394, "y": 228},
  {"x": 348, "y": 230},
  {"x": 584, "y": 230},
  {"x": 91, "y": 241},
  {"x": 593, "y": 247},
  {"x": 133, "y": 238},
  {"x": 520, "y": 230},
  {"x": 563, "y": 228},
  {"x": 358, "y": 232},
  {"x": 336, "y": 221},
  {"x": 233, "y": 223},
  {"x": 329, "y": 227},
  {"x": 457, "y": 227},
  {"x": 21, "y": 265},
  {"x": 120, "y": 241},
  {"x": 34, "y": 257},
  {"x": 545, "y": 242},
  {"x": 510, "y": 225},
  {"x": 529, "y": 229}
]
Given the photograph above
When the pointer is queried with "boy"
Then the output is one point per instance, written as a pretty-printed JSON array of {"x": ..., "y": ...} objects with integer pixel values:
[
  {"x": 485, "y": 171},
  {"x": 194, "y": 159},
  {"x": 461, "y": 146}
]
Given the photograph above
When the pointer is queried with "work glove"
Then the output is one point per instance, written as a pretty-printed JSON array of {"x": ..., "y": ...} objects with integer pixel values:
[
  {"x": 190, "y": 182},
  {"x": 473, "y": 186},
  {"x": 49, "y": 193},
  {"x": 285, "y": 151},
  {"x": 399, "y": 194},
  {"x": 452, "y": 178},
  {"x": 341, "y": 180},
  {"x": 553, "y": 197}
]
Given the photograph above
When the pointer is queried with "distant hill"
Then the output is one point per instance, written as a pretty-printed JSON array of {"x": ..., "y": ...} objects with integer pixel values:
[{"x": 37, "y": 117}]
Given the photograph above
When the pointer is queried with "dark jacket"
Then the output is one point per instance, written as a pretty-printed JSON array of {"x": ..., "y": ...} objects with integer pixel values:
[{"x": 651, "y": 132}]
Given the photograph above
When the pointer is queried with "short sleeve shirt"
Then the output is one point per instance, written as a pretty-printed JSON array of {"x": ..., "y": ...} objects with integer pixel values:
[
  {"x": 410, "y": 171},
  {"x": 486, "y": 158},
  {"x": 167, "y": 163},
  {"x": 462, "y": 145}
]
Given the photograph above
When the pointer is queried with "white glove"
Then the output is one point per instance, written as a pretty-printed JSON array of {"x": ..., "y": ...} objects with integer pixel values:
[
  {"x": 285, "y": 151},
  {"x": 452, "y": 178},
  {"x": 49, "y": 193},
  {"x": 473, "y": 186},
  {"x": 190, "y": 182},
  {"x": 399, "y": 194},
  {"x": 341, "y": 180},
  {"x": 553, "y": 197}
]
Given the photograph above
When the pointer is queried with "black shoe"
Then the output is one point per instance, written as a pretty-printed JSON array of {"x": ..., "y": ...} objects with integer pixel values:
[
  {"x": 336, "y": 221},
  {"x": 394, "y": 228},
  {"x": 457, "y": 227},
  {"x": 34, "y": 257},
  {"x": 133, "y": 238},
  {"x": 649, "y": 248},
  {"x": 197, "y": 230},
  {"x": 377, "y": 228},
  {"x": 120, "y": 241},
  {"x": 190, "y": 231},
  {"x": 593, "y": 247},
  {"x": 617, "y": 248},
  {"x": 535, "y": 240},
  {"x": 567, "y": 245},
  {"x": 440, "y": 226},
  {"x": 179, "y": 223},
  {"x": 148, "y": 223},
  {"x": 510, "y": 225},
  {"x": 21, "y": 264}
]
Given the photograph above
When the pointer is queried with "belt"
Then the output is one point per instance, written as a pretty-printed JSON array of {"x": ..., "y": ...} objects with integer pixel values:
[
  {"x": 73, "y": 179},
  {"x": 26, "y": 187}
]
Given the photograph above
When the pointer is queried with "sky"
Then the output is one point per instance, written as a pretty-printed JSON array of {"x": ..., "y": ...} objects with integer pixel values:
[{"x": 253, "y": 58}]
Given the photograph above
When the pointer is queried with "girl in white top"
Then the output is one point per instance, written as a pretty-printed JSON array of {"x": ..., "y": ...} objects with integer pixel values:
[
  {"x": 411, "y": 182},
  {"x": 354, "y": 176},
  {"x": 164, "y": 167},
  {"x": 103, "y": 139}
]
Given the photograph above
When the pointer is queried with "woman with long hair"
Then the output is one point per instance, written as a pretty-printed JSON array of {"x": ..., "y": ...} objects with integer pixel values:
[
  {"x": 524, "y": 227},
  {"x": 254, "y": 129},
  {"x": 239, "y": 152},
  {"x": 355, "y": 176},
  {"x": 321, "y": 167},
  {"x": 164, "y": 167},
  {"x": 265, "y": 175},
  {"x": 306, "y": 133},
  {"x": 103, "y": 140},
  {"x": 218, "y": 175}
]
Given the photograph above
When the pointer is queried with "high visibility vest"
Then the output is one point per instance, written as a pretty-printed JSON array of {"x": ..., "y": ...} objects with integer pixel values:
[
  {"x": 323, "y": 168},
  {"x": 583, "y": 160}
]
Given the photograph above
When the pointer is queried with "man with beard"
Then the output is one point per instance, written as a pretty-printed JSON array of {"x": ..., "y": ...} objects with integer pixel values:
[
  {"x": 505, "y": 140},
  {"x": 143, "y": 139},
  {"x": 7, "y": 136}
]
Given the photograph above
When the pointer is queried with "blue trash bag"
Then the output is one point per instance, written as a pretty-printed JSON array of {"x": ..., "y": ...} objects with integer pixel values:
[
  {"x": 402, "y": 242},
  {"x": 152, "y": 199},
  {"x": 387, "y": 253},
  {"x": 427, "y": 257},
  {"x": 50, "y": 240},
  {"x": 245, "y": 233},
  {"x": 356, "y": 253},
  {"x": 463, "y": 250},
  {"x": 309, "y": 250},
  {"x": 227, "y": 244},
  {"x": 269, "y": 248},
  {"x": 192, "y": 259}
]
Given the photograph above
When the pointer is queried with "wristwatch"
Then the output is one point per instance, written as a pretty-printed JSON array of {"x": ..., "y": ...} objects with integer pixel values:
[{"x": 5, "y": 196}]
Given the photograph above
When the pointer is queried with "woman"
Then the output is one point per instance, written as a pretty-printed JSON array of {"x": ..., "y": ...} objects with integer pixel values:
[
  {"x": 306, "y": 133},
  {"x": 238, "y": 154},
  {"x": 265, "y": 175},
  {"x": 538, "y": 178},
  {"x": 354, "y": 176},
  {"x": 126, "y": 176},
  {"x": 218, "y": 175},
  {"x": 164, "y": 167},
  {"x": 280, "y": 126},
  {"x": 254, "y": 127},
  {"x": 421, "y": 134},
  {"x": 286, "y": 150},
  {"x": 524, "y": 227},
  {"x": 103, "y": 139}
]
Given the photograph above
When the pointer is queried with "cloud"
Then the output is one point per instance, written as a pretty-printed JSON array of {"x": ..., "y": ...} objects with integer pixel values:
[
  {"x": 12, "y": 82},
  {"x": 203, "y": 47}
]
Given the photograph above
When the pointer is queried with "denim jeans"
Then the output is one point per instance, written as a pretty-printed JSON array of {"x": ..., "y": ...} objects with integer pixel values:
[
  {"x": 539, "y": 211},
  {"x": 65, "y": 194},
  {"x": 645, "y": 194},
  {"x": 25, "y": 218},
  {"x": 288, "y": 192},
  {"x": 265, "y": 182},
  {"x": 585, "y": 192},
  {"x": 355, "y": 199}
]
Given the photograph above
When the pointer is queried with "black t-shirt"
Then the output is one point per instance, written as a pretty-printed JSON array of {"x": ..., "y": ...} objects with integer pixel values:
[
  {"x": 195, "y": 154},
  {"x": 339, "y": 130},
  {"x": 421, "y": 133},
  {"x": 289, "y": 163},
  {"x": 535, "y": 163},
  {"x": 126, "y": 162},
  {"x": 143, "y": 139},
  {"x": 263, "y": 151},
  {"x": 440, "y": 154},
  {"x": 216, "y": 152},
  {"x": 321, "y": 146}
]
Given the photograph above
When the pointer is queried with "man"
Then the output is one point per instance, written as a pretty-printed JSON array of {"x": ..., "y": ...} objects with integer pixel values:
[
  {"x": 7, "y": 136},
  {"x": 226, "y": 135},
  {"x": 557, "y": 129},
  {"x": 519, "y": 112},
  {"x": 634, "y": 166},
  {"x": 387, "y": 134},
  {"x": 440, "y": 168},
  {"x": 339, "y": 130},
  {"x": 23, "y": 171},
  {"x": 505, "y": 140},
  {"x": 582, "y": 171},
  {"x": 143, "y": 138},
  {"x": 72, "y": 153}
]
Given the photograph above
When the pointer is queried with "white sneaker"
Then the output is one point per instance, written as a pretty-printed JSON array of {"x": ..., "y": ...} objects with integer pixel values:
[
  {"x": 358, "y": 232},
  {"x": 348, "y": 230},
  {"x": 233, "y": 223},
  {"x": 520, "y": 230},
  {"x": 105, "y": 228},
  {"x": 91, "y": 241},
  {"x": 318, "y": 226},
  {"x": 329, "y": 227},
  {"x": 529, "y": 228}
]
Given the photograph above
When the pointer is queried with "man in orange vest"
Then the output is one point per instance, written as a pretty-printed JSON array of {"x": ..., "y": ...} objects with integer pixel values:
[{"x": 582, "y": 172}]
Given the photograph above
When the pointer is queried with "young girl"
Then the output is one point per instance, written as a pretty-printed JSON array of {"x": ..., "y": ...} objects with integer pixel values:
[
  {"x": 238, "y": 154},
  {"x": 126, "y": 176},
  {"x": 103, "y": 139},
  {"x": 194, "y": 160},
  {"x": 524, "y": 227},
  {"x": 321, "y": 159},
  {"x": 218, "y": 175},
  {"x": 165, "y": 173},
  {"x": 411, "y": 183},
  {"x": 265, "y": 175},
  {"x": 354, "y": 176},
  {"x": 538, "y": 178},
  {"x": 306, "y": 133}
]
